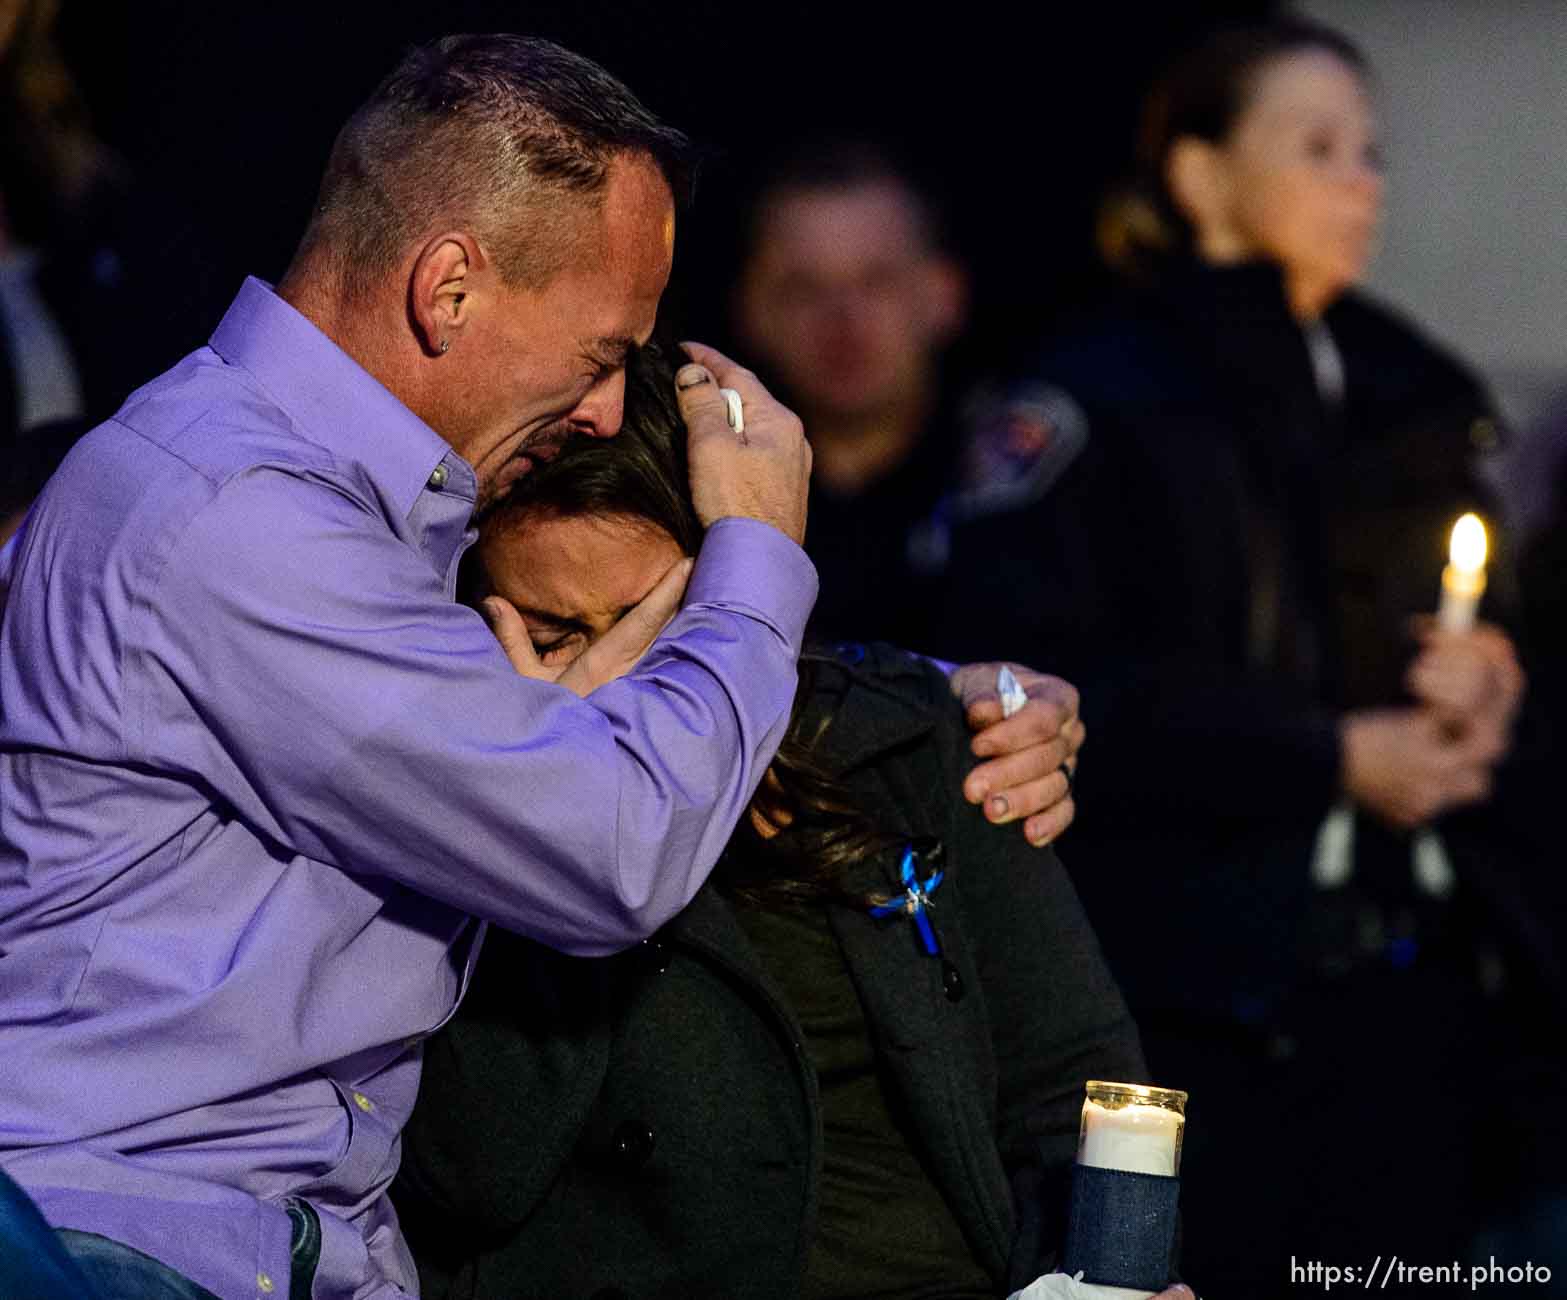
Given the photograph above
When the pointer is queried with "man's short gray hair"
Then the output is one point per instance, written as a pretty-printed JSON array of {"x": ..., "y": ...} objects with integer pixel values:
[{"x": 490, "y": 133}]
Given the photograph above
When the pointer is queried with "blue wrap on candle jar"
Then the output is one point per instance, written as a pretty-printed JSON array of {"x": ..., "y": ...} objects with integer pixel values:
[{"x": 1121, "y": 1228}]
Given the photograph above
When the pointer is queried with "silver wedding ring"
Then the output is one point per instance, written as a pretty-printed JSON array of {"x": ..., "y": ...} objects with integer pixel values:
[{"x": 736, "y": 409}]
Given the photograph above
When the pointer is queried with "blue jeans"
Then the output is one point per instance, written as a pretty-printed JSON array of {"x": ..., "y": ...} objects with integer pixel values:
[
  {"x": 126, "y": 1274},
  {"x": 117, "y": 1272}
]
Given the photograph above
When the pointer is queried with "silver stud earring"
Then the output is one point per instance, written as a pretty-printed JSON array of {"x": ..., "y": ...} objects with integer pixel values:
[{"x": 445, "y": 346}]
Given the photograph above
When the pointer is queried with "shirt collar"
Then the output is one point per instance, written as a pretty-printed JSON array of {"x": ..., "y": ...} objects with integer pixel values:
[{"x": 333, "y": 400}]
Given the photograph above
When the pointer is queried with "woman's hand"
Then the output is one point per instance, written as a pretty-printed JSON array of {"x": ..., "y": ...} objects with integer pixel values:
[
  {"x": 1410, "y": 765},
  {"x": 1472, "y": 679},
  {"x": 1026, "y": 752},
  {"x": 613, "y": 655},
  {"x": 1406, "y": 766}
]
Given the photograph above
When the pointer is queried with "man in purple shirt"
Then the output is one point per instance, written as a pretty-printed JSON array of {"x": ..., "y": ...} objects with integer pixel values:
[{"x": 260, "y": 771}]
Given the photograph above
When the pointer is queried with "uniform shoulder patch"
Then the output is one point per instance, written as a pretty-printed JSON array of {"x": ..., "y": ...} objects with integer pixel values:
[
  {"x": 1016, "y": 442},
  {"x": 1013, "y": 445}
]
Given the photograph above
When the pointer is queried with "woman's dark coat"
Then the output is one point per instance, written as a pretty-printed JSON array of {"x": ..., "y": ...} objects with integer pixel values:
[
  {"x": 1228, "y": 566},
  {"x": 648, "y": 1125}
]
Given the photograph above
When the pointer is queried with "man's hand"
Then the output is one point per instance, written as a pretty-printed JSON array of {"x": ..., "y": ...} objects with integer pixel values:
[
  {"x": 613, "y": 655},
  {"x": 1023, "y": 776},
  {"x": 763, "y": 473},
  {"x": 1406, "y": 765}
]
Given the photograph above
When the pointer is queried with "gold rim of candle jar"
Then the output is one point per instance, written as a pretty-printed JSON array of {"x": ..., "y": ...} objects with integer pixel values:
[{"x": 1115, "y": 1095}]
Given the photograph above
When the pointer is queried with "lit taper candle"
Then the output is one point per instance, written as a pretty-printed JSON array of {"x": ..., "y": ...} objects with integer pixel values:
[{"x": 1463, "y": 580}]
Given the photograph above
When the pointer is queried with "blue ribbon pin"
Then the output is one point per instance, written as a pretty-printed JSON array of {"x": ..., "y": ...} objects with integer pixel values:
[{"x": 915, "y": 901}]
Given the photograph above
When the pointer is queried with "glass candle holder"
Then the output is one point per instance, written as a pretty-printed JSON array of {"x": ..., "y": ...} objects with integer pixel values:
[
  {"x": 1125, "y": 1190},
  {"x": 1133, "y": 1127}
]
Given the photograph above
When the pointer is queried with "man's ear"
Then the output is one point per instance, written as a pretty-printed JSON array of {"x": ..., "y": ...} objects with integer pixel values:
[
  {"x": 440, "y": 289},
  {"x": 1197, "y": 175}
]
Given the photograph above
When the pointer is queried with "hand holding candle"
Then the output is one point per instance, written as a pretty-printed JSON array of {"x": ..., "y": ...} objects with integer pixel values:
[
  {"x": 1463, "y": 580},
  {"x": 1467, "y": 671}
]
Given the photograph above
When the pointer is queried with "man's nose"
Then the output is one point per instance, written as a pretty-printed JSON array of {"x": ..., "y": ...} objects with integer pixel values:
[{"x": 600, "y": 413}]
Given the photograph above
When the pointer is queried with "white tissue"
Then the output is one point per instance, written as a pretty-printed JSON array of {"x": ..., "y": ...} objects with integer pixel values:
[{"x": 1060, "y": 1286}]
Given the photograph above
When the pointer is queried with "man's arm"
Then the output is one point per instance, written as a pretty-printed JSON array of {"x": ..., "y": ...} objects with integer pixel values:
[
  {"x": 289, "y": 651},
  {"x": 310, "y": 669}
]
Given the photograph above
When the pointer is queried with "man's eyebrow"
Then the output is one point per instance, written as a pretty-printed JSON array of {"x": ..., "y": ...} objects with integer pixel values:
[{"x": 612, "y": 351}]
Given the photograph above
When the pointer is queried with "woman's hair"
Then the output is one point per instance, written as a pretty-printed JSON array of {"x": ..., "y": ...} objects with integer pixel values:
[
  {"x": 642, "y": 474},
  {"x": 1202, "y": 94}
]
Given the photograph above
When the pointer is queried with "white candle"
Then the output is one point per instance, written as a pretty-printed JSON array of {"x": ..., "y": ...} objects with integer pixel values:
[
  {"x": 1137, "y": 1138},
  {"x": 1463, "y": 580}
]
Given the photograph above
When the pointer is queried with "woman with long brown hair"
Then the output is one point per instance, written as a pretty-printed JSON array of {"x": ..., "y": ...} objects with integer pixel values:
[{"x": 853, "y": 1066}]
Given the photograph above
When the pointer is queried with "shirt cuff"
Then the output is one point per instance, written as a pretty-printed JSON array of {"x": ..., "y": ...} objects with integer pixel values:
[{"x": 751, "y": 567}]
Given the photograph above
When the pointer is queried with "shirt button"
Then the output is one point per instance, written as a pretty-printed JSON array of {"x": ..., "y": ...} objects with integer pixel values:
[
  {"x": 364, "y": 1103},
  {"x": 264, "y": 1283},
  {"x": 438, "y": 477}
]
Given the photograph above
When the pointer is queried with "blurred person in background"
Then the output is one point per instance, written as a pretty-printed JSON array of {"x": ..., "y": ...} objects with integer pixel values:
[
  {"x": 849, "y": 300},
  {"x": 1538, "y": 483},
  {"x": 101, "y": 283},
  {"x": 1230, "y": 565}
]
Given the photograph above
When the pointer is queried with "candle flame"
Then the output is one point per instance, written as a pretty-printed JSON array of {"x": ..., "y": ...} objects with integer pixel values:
[{"x": 1466, "y": 549}]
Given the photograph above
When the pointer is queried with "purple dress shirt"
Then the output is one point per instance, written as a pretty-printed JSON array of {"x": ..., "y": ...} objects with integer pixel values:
[{"x": 258, "y": 772}]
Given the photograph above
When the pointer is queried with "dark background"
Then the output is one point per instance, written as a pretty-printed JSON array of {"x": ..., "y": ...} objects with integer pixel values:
[{"x": 1019, "y": 115}]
